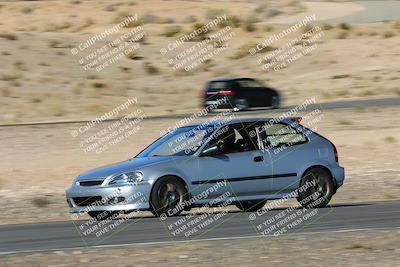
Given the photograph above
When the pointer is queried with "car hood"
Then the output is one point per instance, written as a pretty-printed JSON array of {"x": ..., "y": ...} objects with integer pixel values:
[{"x": 121, "y": 167}]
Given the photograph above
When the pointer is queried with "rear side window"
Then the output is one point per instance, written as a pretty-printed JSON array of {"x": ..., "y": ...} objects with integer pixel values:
[
  {"x": 217, "y": 86},
  {"x": 255, "y": 84},
  {"x": 244, "y": 83},
  {"x": 249, "y": 84},
  {"x": 280, "y": 134}
]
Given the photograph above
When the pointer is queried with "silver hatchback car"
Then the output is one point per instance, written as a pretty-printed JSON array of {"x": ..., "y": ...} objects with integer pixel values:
[{"x": 243, "y": 162}]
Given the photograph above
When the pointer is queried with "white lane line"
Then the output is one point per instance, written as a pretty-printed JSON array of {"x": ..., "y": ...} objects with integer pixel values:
[{"x": 196, "y": 240}]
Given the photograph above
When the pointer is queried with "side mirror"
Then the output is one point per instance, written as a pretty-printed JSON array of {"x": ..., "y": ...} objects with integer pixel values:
[{"x": 211, "y": 151}]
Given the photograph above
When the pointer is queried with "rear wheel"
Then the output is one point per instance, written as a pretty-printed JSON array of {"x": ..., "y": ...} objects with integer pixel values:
[
  {"x": 275, "y": 102},
  {"x": 316, "y": 188},
  {"x": 251, "y": 205},
  {"x": 166, "y": 195}
]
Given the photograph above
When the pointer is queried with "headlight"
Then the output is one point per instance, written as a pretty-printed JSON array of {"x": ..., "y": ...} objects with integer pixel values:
[{"x": 130, "y": 178}]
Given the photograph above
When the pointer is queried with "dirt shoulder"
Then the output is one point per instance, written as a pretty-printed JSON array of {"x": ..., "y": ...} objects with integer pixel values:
[{"x": 364, "y": 248}]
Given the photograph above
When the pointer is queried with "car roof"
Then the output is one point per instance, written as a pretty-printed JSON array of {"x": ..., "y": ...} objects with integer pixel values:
[
  {"x": 243, "y": 120},
  {"x": 230, "y": 79}
]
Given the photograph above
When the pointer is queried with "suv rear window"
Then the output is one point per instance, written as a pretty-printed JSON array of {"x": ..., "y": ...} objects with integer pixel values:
[
  {"x": 249, "y": 84},
  {"x": 216, "y": 86}
]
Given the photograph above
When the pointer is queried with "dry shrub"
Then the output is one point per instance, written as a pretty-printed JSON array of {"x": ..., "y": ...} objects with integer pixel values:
[
  {"x": 243, "y": 50},
  {"x": 213, "y": 13},
  {"x": 172, "y": 30},
  {"x": 326, "y": 26},
  {"x": 388, "y": 35},
  {"x": 248, "y": 26},
  {"x": 150, "y": 68},
  {"x": 9, "y": 36},
  {"x": 344, "y": 26},
  {"x": 27, "y": 10},
  {"x": 40, "y": 202},
  {"x": 342, "y": 35}
]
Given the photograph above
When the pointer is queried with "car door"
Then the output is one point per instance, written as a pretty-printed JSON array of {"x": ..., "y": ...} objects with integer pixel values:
[
  {"x": 241, "y": 164},
  {"x": 212, "y": 92},
  {"x": 262, "y": 96},
  {"x": 288, "y": 151},
  {"x": 247, "y": 92}
]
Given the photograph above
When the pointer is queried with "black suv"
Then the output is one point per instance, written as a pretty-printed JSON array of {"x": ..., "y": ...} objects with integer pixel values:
[{"x": 239, "y": 94}]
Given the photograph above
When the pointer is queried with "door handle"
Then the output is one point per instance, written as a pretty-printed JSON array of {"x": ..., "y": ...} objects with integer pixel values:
[{"x": 258, "y": 158}]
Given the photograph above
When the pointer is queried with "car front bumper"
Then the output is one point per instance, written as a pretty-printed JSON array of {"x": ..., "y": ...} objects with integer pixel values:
[
  {"x": 339, "y": 175},
  {"x": 83, "y": 199}
]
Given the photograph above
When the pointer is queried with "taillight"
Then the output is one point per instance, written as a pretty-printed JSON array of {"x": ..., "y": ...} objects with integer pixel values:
[
  {"x": 226, "y": 92},
  {"x": 335, "y": 152},
  {"x": 298, "y": 119}
]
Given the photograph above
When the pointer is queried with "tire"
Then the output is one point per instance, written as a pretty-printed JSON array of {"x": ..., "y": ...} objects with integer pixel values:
[
  {"x": 240, "y": 104},
  {"x": 320, "y": 191},
  {"x": 275, "y": 102},
  {"x": 251, "y": 206},
  {"x": 167, "y": 194},
  {"x": 208, "y": 107},
  {"x": 102, "y": 215}
]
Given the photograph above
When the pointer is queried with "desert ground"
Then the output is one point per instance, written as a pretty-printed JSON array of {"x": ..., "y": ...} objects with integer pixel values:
[{"x": 41, "y": 80}]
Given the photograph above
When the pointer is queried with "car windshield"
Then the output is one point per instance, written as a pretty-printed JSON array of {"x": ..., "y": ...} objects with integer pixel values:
[{"x": 184, "y": 141}]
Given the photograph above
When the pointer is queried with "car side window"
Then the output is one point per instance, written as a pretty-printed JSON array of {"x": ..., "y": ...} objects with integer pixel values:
[
  {"x": 280, "y": 134},
  {"x": 249, "y": 84},
  {"x": 243, "y": 83},
  {"x": 216, "y": 86},
  {"x": 234, "y": 139},
  {"x": 254, "y": 84}
]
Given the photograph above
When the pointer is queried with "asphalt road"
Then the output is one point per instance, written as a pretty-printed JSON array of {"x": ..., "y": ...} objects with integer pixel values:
[
  {"x": 28, "y": 238},
  {"x": 374, "y": 11},
  {"x": 327, "y": 105}
]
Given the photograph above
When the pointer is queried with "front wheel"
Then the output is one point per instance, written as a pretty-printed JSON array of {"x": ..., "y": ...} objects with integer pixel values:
[
  {"x": 167, "y": 196},
  {"x": 251, "y": 206},
  {"x": 275, "y": 102},
  {"x": 316, "y": 188}
]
